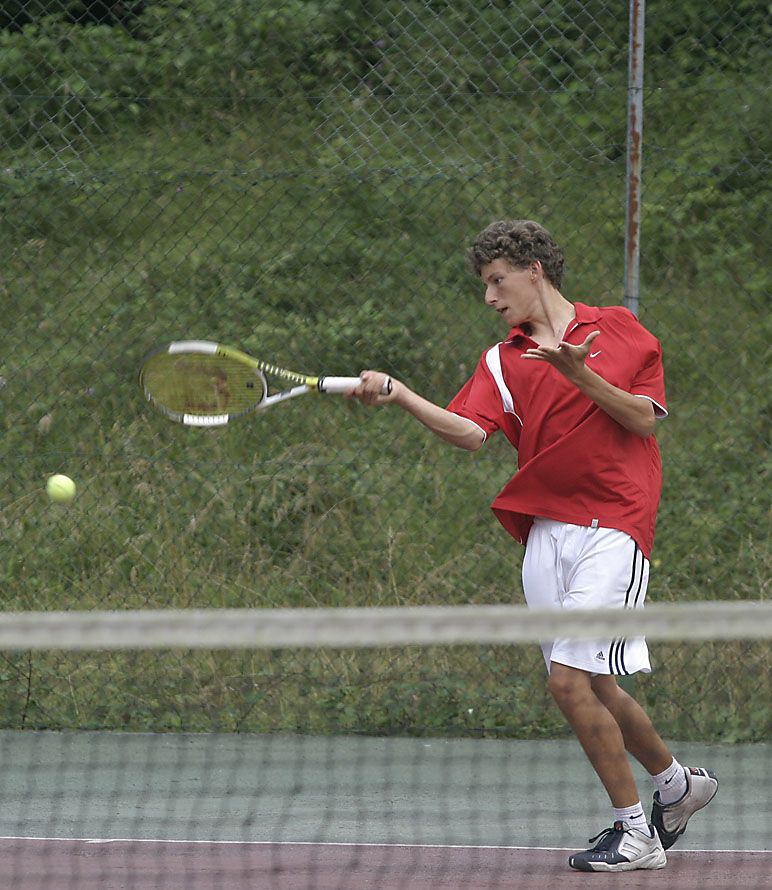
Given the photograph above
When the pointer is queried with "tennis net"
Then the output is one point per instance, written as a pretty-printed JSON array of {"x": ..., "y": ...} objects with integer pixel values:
[{"x": 358, "y": 748}]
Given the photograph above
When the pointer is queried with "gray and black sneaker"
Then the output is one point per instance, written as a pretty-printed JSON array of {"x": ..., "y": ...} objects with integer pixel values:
[
  {"x": 621, "y": 848},
  {"x": 670, "y": 819}
]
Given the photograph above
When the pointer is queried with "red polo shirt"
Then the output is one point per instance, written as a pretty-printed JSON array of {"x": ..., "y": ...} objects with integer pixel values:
[{"x": 575, "y": 463}]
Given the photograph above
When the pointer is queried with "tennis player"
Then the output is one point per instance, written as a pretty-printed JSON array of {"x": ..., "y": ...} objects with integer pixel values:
[{"x": 577, "y": 390}]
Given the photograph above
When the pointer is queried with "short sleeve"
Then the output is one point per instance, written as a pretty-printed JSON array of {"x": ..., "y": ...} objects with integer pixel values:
[
  {"x": 649, "y": 381},
  {"x": 479, "y": 400}
]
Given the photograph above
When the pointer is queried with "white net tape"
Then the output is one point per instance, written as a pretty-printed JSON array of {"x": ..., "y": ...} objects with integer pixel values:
[{"x": 358, "y": 628}]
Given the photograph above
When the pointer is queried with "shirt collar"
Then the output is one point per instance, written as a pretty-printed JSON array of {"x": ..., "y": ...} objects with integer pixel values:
[{"x": 583, "y": 314}]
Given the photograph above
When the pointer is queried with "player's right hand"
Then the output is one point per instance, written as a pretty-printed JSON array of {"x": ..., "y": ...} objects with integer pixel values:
[{"x": 376, "y": 388}]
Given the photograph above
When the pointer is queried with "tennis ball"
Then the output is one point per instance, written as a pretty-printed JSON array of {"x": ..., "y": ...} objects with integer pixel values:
[{"x": 61, "y": 489}]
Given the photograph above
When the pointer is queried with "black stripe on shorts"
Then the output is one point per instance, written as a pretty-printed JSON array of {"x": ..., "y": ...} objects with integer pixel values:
[
  {"x": 617, "y": 649},
  {"x": 616, "y": 661}
]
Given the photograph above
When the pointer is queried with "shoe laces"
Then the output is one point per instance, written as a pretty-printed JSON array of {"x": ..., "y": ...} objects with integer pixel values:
[{"x": 607, "y": 836}]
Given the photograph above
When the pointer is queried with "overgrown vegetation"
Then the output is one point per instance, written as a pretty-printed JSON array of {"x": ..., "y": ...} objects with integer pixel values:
[{"x": 301, "y": 179}]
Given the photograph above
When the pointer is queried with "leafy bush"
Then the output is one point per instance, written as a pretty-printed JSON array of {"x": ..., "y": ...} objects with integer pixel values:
[{"x": 301, "y": 179}]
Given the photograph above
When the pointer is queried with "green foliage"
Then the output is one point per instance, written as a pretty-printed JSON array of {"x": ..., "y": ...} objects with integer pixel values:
[
  {"x": 16, "y": 14},
  {"x": 691, "y": 39},
  {"x": 61, "y": 83},
  {"x": 301, "y": 179}
]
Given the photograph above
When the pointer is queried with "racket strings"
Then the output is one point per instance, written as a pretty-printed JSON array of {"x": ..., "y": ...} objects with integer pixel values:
[{"x": 205, "y": 385}]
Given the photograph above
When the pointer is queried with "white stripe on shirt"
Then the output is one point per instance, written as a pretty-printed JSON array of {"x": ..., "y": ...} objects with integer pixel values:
[{"x": 493, "y": 361}]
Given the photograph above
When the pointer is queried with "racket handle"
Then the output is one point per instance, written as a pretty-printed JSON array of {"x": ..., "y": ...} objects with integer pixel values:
[{"x": 346, "y": 384}]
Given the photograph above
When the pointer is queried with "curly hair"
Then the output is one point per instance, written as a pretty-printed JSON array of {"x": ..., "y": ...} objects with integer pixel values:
[{"x": 519, "y": 242}]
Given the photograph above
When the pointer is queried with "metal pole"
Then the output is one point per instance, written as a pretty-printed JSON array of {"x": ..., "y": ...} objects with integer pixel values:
[
  {"x": 633, "y": 181},
  {"x": 634, "y": 151}
]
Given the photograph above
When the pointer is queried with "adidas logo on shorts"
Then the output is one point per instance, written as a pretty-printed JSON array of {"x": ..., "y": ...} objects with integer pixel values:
[{"x": 600, "y": 656}]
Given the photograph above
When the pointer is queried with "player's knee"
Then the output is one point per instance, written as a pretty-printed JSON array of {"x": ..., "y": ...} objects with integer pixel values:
[
  {"x": 607, "y": 690},
  {"x": 567, "y": 686}
]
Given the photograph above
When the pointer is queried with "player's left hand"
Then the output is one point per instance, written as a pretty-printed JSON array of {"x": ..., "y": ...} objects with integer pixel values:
[{"x": 565, "y": 357}]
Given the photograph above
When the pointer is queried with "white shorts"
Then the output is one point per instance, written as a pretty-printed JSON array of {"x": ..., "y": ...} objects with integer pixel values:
[{"x": 578, "y": 567}]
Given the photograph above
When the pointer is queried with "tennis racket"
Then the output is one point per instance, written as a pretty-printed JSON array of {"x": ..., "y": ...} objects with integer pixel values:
[{"x": 205, "y": 384}]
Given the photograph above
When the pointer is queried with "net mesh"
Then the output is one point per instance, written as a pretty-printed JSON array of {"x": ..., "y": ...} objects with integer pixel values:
[{"x": 357, "y": 748}]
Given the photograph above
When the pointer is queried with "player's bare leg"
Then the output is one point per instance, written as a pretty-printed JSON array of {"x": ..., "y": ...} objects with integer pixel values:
[
  {"x": 630, "y": 843},
  {"x": 597, "y": 730},
  {"x": 641, "y": 739}
]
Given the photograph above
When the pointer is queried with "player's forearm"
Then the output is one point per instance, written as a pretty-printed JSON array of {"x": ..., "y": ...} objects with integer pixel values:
[
  {"x": 443, "y": 423},
  {"x": 632, "y": 412}
]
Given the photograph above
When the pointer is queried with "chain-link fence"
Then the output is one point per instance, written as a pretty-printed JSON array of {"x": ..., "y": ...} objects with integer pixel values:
[{"x": 301, "y": 180}]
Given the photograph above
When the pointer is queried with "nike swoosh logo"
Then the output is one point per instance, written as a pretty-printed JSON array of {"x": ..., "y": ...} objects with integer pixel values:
[{"x": 593, "y": 354}]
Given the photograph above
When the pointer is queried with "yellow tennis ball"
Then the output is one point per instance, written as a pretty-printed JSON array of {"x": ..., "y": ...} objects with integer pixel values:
[{"x": 60, "y": 488}]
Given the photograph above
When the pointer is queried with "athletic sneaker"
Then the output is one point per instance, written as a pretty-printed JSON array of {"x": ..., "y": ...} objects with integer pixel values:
[
  {"x": 621, "y": 848},
  {"x": 670, "y": 819}
]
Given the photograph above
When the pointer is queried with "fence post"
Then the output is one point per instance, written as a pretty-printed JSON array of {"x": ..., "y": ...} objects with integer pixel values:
[
  {"x": 633, "y": 180},
  {"x": 634, "y": 150}
]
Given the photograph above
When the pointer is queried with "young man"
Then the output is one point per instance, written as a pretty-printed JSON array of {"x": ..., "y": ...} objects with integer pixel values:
[{"x": 577, "y": 390}]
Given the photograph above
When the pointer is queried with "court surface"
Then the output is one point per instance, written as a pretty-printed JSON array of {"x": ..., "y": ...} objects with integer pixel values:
[{"x": 110, "y": 811}]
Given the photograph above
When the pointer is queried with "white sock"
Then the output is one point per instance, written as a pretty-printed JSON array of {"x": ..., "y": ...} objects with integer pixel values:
[
  {"x": 671, "y": 783},
  {"x": 634, "y": 816}
]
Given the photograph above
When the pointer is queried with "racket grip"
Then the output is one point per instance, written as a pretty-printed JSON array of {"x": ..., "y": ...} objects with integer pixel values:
[{"x": 346, "y": 384}]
